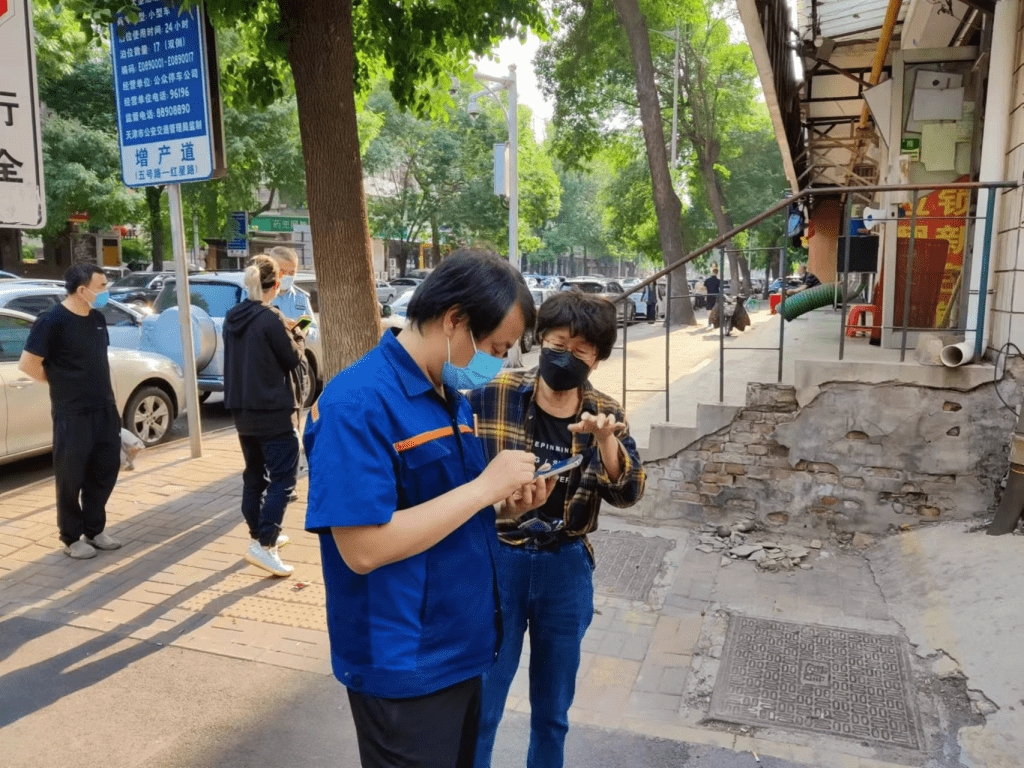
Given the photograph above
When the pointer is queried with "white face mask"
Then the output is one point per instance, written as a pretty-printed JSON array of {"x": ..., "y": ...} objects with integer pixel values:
[{"x": 286, "y": 283}]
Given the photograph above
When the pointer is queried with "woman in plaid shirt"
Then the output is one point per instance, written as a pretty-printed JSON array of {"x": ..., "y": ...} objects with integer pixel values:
[{"x": 545, "y": 564}]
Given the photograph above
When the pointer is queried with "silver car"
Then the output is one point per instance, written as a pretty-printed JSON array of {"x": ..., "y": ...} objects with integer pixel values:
[
  {"x": 213, "y": 294},
  {"x": 124, "y": 323},
  {"x": 149, "y": 391},
  {"x": 607, "y": 289}
]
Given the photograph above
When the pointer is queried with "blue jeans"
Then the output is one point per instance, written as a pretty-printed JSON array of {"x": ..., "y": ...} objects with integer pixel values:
[
  {"x": 551, "y": 593},
  {"x": 271, "y": 464}
]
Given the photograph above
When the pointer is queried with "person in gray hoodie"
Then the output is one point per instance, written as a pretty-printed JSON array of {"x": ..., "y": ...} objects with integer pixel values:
[{"x": 260, "y": 354}]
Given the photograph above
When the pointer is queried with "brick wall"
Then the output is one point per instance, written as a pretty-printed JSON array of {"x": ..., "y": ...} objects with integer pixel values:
[{"x": 860, "y": 457}]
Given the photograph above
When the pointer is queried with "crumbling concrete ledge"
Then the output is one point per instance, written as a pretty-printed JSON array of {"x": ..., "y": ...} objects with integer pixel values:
[{"x": 859, "y": 458}]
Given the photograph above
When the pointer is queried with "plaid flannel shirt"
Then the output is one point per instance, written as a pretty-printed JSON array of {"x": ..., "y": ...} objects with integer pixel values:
[{"x": 505, "y": 410}]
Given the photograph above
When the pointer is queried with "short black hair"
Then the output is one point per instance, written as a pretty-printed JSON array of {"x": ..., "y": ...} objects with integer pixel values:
[
  {"x": 482, "y": 284},
  {"x": 584, "y": 314},
  {"x": 78, "y": 275}
]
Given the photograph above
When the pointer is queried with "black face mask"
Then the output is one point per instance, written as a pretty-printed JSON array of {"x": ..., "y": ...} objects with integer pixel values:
[{"x": 562, "y": 370}]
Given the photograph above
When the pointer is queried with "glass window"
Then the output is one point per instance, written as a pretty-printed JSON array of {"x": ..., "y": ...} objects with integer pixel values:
[
  {"x": 116, "y": 316},
  {"x": 13, "y": 335},
  {"x": 35, "y": 304},
  {"x": 213, "y": 298}
]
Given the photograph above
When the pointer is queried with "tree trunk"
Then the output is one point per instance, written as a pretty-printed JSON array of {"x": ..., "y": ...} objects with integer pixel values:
[
  {"x": 10, "y": 251},
  {"x": 666, "y": 202},
  {"x": 435, "y": 241},
  {"x": 739, "y": 267},
  {"x": 322, "y": 58},
  {"x": 156, "y": 225}
]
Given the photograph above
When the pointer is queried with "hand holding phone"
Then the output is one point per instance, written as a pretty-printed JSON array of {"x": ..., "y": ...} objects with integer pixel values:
[
  {"x": 559, "y": 467},
  {"x": 302, "y": 324}
]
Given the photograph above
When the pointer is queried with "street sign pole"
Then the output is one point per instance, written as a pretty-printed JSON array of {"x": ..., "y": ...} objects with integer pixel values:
[
  {"x": 168, "y": 132},
  {"x": 22, "y": 194},
  {"x": 188, "y": 352}
]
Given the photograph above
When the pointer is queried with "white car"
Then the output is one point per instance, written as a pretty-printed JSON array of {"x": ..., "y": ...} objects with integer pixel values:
[
  {"x": 124, "y": 323},
  {"x": 149, "y": 390}
]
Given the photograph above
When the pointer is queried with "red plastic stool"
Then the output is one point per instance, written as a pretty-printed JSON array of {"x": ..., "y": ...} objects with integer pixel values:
[
  {"x": 773, "y": 301},
  {"x": 854, "y": 324}
]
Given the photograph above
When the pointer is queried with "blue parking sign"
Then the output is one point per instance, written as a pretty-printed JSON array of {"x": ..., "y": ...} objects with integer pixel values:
[{"x": 163, "y": 101}]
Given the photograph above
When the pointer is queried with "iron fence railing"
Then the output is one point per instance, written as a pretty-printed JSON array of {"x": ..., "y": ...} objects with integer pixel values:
[{"x": 864, "y": 193}]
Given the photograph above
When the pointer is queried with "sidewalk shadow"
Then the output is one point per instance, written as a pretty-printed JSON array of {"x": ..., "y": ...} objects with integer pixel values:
[
  {"x": 39, "y": 685},
  {"x": 137, "y": 570}
]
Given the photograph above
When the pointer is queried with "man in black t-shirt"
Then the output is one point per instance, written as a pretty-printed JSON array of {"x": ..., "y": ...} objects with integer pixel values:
[
  {"x": 807, "y": 280},
  {"x": 67, "y": 348}
]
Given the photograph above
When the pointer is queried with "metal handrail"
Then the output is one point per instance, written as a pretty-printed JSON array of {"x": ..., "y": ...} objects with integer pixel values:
[{"x": 782, "y": 205}]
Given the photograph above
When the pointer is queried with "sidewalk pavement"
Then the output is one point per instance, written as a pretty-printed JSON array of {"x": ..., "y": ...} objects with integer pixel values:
[{"x": 649, "y": 665}]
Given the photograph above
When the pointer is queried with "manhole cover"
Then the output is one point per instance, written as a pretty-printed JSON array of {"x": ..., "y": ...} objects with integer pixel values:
[
  {"x": 627, "y": 563},
  {"x": 826, "y": 680}
]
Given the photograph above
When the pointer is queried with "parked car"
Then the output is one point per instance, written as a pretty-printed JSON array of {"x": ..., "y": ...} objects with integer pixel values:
[
  {"x": 418, "y": 274},
  {"x": 793, "y": 281},
  {"x": 640, "y": 306},
  {"x": 606, "y": 288},
  {"x": 540, "y": 295},
  {"x": 306, "y": 281},
  {"x": 139, "y": 288},
  {"x": 149, "y": 391},
  {"x": 8, "y": 276},
  {"x": 386, "y": 292},
  {"x": 403, "y": 285},
  {"x": 212, "y": 295},
  {"x": 124, "y": 323},
  {"x": 115, "y": 273}
]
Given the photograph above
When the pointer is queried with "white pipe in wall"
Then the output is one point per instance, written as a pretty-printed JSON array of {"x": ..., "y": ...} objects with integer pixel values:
[{"x": 999, "y": 95}]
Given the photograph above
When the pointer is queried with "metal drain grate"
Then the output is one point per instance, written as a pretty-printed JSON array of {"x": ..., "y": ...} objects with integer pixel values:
[
  {"x": 627, "y": 563},
  {"x": 826, "y": 680}
]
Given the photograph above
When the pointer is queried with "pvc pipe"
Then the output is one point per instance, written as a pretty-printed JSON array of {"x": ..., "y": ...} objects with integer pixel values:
[
  {"x": 881, "y": 52},
  {"x": 993, "y": 162},
  {"x": 955, "y": 355}
]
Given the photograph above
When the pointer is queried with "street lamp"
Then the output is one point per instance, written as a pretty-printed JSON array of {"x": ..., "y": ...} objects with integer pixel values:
[{"x": 505, "y": 84}]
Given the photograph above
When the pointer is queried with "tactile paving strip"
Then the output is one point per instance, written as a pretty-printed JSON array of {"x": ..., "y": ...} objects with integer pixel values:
[
  {"x": 244, "y": 596},
  {"x": 627, "y": 563},
  {"x": 826, "y": 680}
]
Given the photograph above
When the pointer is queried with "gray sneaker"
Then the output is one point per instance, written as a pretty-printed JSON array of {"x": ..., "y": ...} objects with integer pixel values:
[
  {"x": 104, "y": 541},
  {"x": 80, "y": 550},
  {"x": 267, "y": 559}
]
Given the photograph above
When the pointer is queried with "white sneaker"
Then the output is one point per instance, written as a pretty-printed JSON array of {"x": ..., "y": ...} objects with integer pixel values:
[
  {"x": 79, "y": 550},
  {"x": 104, "y": 541},
  {"x": 267, "y": 559},
  {"x": 282, "y": 539}
]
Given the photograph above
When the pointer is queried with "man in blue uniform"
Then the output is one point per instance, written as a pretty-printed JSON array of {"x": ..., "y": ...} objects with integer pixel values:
[{"x": 403, "y": 498}]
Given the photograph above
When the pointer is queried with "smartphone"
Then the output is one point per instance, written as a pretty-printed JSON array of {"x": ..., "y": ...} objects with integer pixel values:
[
  {"x": 559, "y": 467},
  {"x": 303, "y": 323}
]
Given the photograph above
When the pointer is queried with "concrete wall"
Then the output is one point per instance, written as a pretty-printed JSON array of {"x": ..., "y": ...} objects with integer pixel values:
[{"x": 858, "y": 458}]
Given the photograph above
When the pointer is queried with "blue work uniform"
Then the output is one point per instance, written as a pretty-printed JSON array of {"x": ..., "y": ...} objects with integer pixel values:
[{"x": 380, "y": 439}]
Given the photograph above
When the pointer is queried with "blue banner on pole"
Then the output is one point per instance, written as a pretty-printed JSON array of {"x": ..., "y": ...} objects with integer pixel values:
[
  {"x": 239, "y": 242},
  {"x": 162, "y": 94}
]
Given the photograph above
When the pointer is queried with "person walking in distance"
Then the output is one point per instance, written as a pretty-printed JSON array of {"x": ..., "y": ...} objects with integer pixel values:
[
  {"x": 260, "y": 352},
  {"x": 545, "y": 563},
  {"x": 67, "y": 348},
  {"x": 402, "y": 497},
  {"x": 713, "y": 286}
]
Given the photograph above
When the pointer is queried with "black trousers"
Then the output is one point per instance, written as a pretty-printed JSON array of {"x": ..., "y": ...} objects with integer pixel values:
[
  {"x": 438, "y": 730},
  {"x": 86, "y": 460}
]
